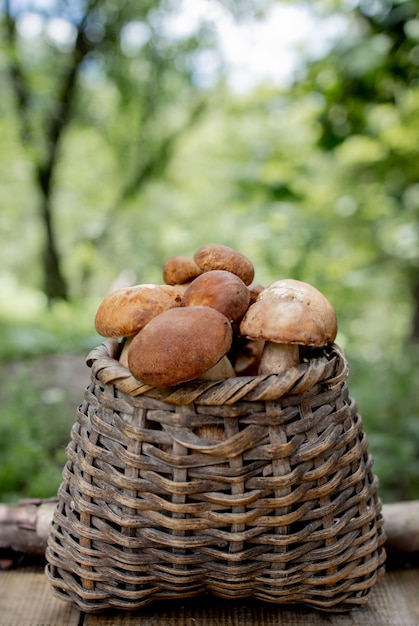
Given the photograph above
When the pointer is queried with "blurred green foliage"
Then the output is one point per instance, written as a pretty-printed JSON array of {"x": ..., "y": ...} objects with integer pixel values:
[
  {"x": 33, "y": 435},
  {"x": 319, "y": 182}
]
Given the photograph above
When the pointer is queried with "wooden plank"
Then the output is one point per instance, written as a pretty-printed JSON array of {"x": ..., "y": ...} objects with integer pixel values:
[
  {"x": 393, "y": 602},
  {"x": 26, "y": 599}
]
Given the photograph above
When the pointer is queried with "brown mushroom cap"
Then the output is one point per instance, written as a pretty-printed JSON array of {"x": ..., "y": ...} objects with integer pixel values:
[
  {"x": 255, "y": 289},
  {"x": 179, "y": 345},
  {"x": 179, "y": 270},
  {"x": 220, "y": 290},
  {"x": 126, "y": 311},
  {"x": 291, "y": 312},
  {"x": 216, "y": 256}
]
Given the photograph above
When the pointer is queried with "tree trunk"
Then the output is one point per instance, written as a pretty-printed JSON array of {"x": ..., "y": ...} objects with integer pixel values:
[{"x": 55, "y": 285}]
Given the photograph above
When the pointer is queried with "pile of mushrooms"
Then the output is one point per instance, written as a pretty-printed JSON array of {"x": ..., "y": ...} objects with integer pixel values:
[{"x": 209, "y": 321}]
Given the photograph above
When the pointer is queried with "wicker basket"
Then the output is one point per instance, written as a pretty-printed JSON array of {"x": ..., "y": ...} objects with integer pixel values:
[{"x": 283, "y": 507}]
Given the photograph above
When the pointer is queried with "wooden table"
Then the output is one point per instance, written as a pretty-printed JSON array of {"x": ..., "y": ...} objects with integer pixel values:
[{"x": 26, "y": 600}]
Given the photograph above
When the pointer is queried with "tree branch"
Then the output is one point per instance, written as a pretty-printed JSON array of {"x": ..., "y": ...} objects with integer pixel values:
[
  {"x": 158, "y": 160},
  {"x": 17, "y": 78}
]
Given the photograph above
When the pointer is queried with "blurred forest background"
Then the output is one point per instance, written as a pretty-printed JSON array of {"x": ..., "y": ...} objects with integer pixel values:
[{"x": 126, "y": 137}]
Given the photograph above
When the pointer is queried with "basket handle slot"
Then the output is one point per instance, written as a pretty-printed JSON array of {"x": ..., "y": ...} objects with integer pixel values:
[{"x": 231, "y": 447}]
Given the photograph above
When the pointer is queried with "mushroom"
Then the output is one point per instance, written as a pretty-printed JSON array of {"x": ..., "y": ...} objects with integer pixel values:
[
  {"x": 220, "y": 371},
  {"x": 213, "y": 433},
  {"x": 178, "y": 270},
  {"x": 127, "y": 310},
  {"x": 255, "y": 289},
  {"x": 249, "y": 353},
  {"x": 287, "y": 314},
  {"x": 179, "y": 345},
  {"x": 123, "y": 357},
  {"x": 216, "y": 256},
  {"x": 220, "y": 290},
  {"x": 182, "y": 287}
]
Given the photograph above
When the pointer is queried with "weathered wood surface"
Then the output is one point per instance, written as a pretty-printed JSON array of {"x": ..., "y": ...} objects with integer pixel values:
[{"x": 26, "y": 599}]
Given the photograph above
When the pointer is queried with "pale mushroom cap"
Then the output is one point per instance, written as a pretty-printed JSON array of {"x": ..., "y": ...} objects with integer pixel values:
[
  {"x": 215, "y": 256},
  {"x": 126, "y": 311},
  {"x": 291, "y": 311},
  {"x": 179, "y": 345},
  {"x": 178, "y": 270},
  {"x": 220, "y": 290}
]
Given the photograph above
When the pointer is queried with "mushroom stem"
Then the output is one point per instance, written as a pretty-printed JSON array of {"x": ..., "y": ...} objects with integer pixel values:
[
  {"x": 248, "y": 357},
  {"x": 123, "y": 357},
  {"x": 220, "y": 371},
  {"x": 278, "y": 357}
]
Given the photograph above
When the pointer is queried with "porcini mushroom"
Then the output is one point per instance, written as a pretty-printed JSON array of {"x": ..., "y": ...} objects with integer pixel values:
[
  {"x": 178, "y": 270},
  {"x": 287, "y": 314},
  {"x": 255, "y": 289},
  {"x": 179, "y": 345},
  {"x": 220, "y": 371},
  {"x": 127, "y": 310},
  {"x": 247, "y": 358},
  {"x": 123, "y": 357},
  {"x": 220, "y": 290},
  {"x": 215, "y": 256}
]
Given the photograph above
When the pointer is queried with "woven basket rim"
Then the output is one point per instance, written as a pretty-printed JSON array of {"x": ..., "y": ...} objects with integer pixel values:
[{"x": 331, "y": 369}]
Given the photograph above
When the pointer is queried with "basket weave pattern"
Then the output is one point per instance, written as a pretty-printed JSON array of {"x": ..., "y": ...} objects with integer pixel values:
[{"x": 282, "y": 507}]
